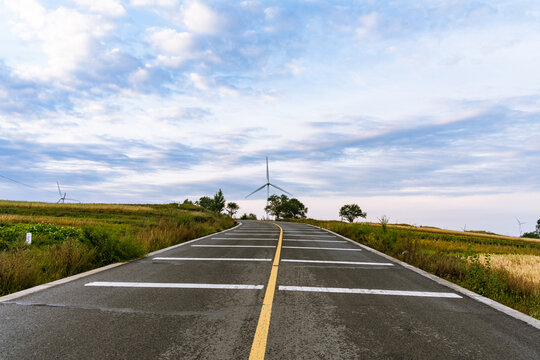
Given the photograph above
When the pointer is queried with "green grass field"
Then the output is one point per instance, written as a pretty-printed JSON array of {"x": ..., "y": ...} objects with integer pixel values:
[
  {"x": 71, "y": 238},
  {"x": 502, "y": 268}
]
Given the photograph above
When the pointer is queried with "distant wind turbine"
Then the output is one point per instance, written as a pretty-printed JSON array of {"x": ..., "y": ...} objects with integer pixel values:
[
  {"x": 268, "y": 184},
  {"x": 63, "y": 197},
  {"x": 519, "y": 224}
]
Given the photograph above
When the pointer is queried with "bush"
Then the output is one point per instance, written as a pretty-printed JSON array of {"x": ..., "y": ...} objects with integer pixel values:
[
  {"x": 108, "y": 249},
  {"x": 68, "y": 258},
  {"x": 14, "y": 235},
  {"x": 482, "y": 279},
  {"x": 18, "y": 271}
]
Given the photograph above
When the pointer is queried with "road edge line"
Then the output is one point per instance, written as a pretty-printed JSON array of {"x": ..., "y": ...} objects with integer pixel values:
[
  {"x": 51, "y": 284},
  {"x": 48, "y": 285},
  {"x": 491, "y": 303}
]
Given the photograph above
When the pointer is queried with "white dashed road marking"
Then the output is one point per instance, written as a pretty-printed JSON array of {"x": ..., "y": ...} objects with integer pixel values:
[
  {"x": 239, "y": 246},
  {"x": 206, "y": 259},
  {"x": 174, "y": 285},
  {"x": 231, "y": 238},
  {"x": 315, "y": 248},
  {"x": 330, "y": 241},
  {"x": 338, "y": 262},
  {"x": 371, "y": 291}
]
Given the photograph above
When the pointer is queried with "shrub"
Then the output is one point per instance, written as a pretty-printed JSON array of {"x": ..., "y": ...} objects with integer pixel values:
[
  {"x": 249, "y": 216},
  {"x": 18, "y": 271},
  {"x": 68, "y": 258},
  {"x": 108, "y": 249}
]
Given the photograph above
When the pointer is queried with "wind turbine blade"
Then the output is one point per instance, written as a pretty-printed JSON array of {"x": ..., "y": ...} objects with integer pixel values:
[
  {"x": 277, "y": 187},
  {"x": 73, "y": 199},
  {"x": 267, "y": 173},
  {"x": 60, "y": 192},
  {"x": 255, "y": 191}
]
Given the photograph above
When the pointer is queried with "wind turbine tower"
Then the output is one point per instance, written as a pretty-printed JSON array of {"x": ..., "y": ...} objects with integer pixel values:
[
  {"x": 268, "y": 184},
  {"x": 63, "y": 196},
  {"x": 519, "y": 224}
]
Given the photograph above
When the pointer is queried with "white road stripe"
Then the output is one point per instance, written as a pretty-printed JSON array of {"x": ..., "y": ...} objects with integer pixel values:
[
  {"x": 338, "y": 262},
  {"x": 330, "y": 241},
  {"x": 313, "y": 247},
  {"x": 306, "y": 232},
  {"x": 311, "y": 235},
  {"x": 371, "y": 291},
  {"x": 207, "y": 259},
  {"x": 242, "y": 246},
  {"x": 174, "y": 285},
  {"x": 231, "y": 238},
  {"x": 255, "y": 232}
]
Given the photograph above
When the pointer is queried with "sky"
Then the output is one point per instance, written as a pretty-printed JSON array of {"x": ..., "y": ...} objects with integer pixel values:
[{"x": 427, "y": 111}]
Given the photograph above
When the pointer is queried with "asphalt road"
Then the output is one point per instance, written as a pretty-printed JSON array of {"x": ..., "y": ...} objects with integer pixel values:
[{"x": 204, "y": 300}]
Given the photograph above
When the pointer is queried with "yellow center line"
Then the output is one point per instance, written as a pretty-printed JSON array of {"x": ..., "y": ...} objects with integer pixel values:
[{"x": 258, "y": 348}]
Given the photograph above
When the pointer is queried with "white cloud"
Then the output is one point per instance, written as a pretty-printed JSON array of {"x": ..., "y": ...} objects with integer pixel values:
[
  {"x": 272, "y": 13},
  {"x": 31, "y": 17},
  {"x": 225, "y": 91},
  {"x": 139, "y": 76},
  {"x": 162, "y": 3},
  {"x": 295, "y": 67},
  {"x": 112, "y": 8},
  {"x": 200, "y": 18},
  {"x": 171, "y": 42},
  {"x": 367, "y": 25},
  {"x": 66, "y": 37},
  {"x": 198, "y": 81},
  {"x": 174, "y": 47}
]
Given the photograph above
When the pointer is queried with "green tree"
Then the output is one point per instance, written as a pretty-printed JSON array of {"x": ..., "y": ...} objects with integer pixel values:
[
  {"x": 218, "y": 203},
  {"x": 251, "y": 216},
  {"x": 534, "y": 234},
  {"x": 232, "y": 208},
  {"x": 351, "y": 212},
  {"x": 284, "y": 208},
  {"x": 205, "y": 202}
]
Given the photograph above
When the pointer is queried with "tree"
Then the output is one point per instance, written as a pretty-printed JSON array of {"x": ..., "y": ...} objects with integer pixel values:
[
  {"x": 232, "y": 208},
  {"x": 251, "y": 216},
  {"x": 284, "y": 208},
  {"x": 534, "y": 234},
  {"x": 218, "y": 203},
  {"x": 351, "y": 212},
  {"x": 205, "y": 202}
]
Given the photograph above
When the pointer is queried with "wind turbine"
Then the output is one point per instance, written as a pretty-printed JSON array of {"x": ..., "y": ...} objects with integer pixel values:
[
  {"x": 268, "y": 184},
  {"x": 519, "y": 224},
  {"x": 62, "y": 197}
]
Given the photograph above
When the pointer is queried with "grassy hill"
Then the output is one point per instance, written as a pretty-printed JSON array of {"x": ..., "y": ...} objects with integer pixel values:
[
  {"x": 72, "y": 238},
  {"x": 503, "y": 268}
]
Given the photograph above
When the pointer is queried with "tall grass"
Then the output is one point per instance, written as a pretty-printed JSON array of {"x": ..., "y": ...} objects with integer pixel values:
[
  {"x": 71, "y": 238},
  {"x": 465, "y": 260}
]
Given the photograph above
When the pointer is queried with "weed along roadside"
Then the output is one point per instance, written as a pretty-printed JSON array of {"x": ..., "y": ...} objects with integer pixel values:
[
  {"x": 72, "y": 238},
  {"x": 502, "y": 269}
]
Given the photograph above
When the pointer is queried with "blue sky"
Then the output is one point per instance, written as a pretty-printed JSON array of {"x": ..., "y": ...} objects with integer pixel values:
[{"x": 424, "y": 111}]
